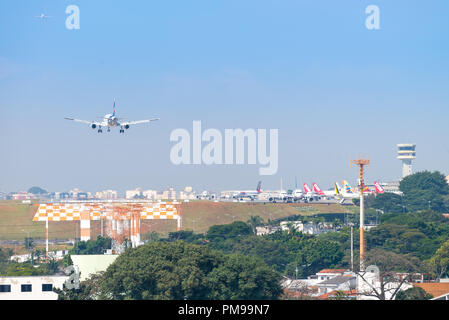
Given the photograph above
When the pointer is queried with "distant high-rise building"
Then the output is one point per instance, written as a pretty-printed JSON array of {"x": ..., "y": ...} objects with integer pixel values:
[
  {"x": 132, "y": 194},
  {"x": 406, "y": 153},
  {"x": 107, "y": 194}
]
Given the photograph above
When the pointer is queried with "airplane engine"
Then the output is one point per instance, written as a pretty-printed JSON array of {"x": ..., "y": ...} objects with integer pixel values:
[
  {"x": 93, "y": 125},
  {"x": 127, "y": 126}
]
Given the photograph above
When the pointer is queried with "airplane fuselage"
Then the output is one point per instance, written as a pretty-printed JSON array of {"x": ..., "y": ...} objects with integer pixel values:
[{"x": 110, "y": 120}]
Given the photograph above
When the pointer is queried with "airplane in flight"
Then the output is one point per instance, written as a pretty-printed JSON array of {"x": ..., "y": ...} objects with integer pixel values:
[
  {"x": 111, "y": 121},
  {"x": 43, "y": 16}
]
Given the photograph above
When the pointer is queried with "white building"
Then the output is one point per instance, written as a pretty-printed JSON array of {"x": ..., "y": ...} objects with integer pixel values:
[
  {"x": 107, "y": 195},
  {"x": 22, "y": 196},
  {"x": 130, "y": 194},
  {"x": 323, "y": 282},
  {"x": 89, "y": 264},
  {"x": 369, "y": 283},
  {"x": 150, "y": 194},
  {"x": 345, "y": 282},
  {"x": 30, "y": 288},
  {"x": 307, "y": 228},
  {"x": 261, "y": 231},
  {"x": 183, "y": 195}
]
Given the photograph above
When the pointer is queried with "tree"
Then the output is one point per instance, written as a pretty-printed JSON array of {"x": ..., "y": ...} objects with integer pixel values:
[
  {"x": 255, "y": 221},
  {"x": 388, "y": 202},
  {"x": 440, "y": 261},
  {"x": 273, "y": 253},
  {"x": 243, "y": 277},
  {"x": 415, "y": 293},
  {"x": 161, "y": 270},
  {"x": 185, "y": 235},
  {"x": 385, "y": 283},
  {"x": 434, "y": 182},
  {"x": 37, "y": 190},
  {"x": 97, "y": 246},
  {"x": 219, "y": 233},
  {"x": 425, "y": 190},
  {"x": 5, "y": 254},
  {"x": 28, "y": 269},
  {"x": 180, "y": 270},
  {"x": 89, "y": 289},
  {"x": 152, "y": 236},
  {"x": 28, "y": 243},
  {"x": 420, "y": 233},
  {"x": 317, "y": 254}
]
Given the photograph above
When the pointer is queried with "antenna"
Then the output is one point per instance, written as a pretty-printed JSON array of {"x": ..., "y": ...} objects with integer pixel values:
[{"x": 361, "y": 163}]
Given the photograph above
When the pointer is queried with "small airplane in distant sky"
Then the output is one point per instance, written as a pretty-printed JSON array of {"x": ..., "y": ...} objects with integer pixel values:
[
  {"x": 43, "y": 16},
  {"x": 111, "y": 121}
]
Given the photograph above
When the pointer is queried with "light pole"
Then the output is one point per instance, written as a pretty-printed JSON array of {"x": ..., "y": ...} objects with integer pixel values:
[{"x": 27, "y": 242}]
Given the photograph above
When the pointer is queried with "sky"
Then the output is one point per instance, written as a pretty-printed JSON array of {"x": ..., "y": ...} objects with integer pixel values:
[{"x": 334, "y": 89}]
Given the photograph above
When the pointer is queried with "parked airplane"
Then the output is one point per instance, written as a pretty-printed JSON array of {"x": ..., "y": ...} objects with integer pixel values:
[
  {"x": 206, "y": 195},
  {"x": 345, "y": 193},
  {"x": 278, "y": 196},
  {"x": 111, "y": 121},
  {"x": 251, "y": 195},
  {"x": 310, "y": 195},
  {"x": 378, "y": 187},
  {"x": 325, "y": 193}
]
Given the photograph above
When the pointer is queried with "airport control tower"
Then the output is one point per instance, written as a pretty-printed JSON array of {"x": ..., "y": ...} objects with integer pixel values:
[{"x": 406, "y": 153}]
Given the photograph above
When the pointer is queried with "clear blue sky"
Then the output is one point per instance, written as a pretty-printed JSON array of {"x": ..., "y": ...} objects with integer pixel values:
[{"x": 334, "y": 89}]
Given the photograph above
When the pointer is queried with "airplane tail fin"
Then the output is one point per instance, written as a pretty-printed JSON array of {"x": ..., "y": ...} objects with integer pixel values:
[
  {"x": 113, "y": 109},
  {"x": 259, "y": 184},
  {"x": 337, "y": 188},
  {"x": 347, "y": 187},
  {"x": 307, "y": 188},
  {"x": 378, "y": 187},
  {"x": 317, "y": 189}
]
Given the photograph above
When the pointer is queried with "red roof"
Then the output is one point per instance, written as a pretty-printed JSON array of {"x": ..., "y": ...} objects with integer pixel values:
[
  {"x": 333, "y": 271},
  {"x": 332, "y": 294},
  {"x": 436, "y": 289}
]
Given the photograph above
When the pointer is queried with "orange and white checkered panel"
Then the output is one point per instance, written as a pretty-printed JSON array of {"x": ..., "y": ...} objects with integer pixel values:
[
  {"x": 160, "y": 210},
  {"x": 71, "y": 211},
  {"x": 56, "y": 212}
]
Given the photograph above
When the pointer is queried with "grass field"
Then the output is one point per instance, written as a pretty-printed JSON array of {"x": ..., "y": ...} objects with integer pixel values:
[{"x": 16, "y": 218}]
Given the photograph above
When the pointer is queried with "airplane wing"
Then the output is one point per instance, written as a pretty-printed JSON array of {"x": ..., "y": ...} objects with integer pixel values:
[
  {"x": 137, "y": 122},
  {"x": 84, "y": 121}
]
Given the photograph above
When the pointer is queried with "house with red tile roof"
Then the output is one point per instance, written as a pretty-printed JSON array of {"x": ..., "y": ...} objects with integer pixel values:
[{"x": 439, "y": 290}]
